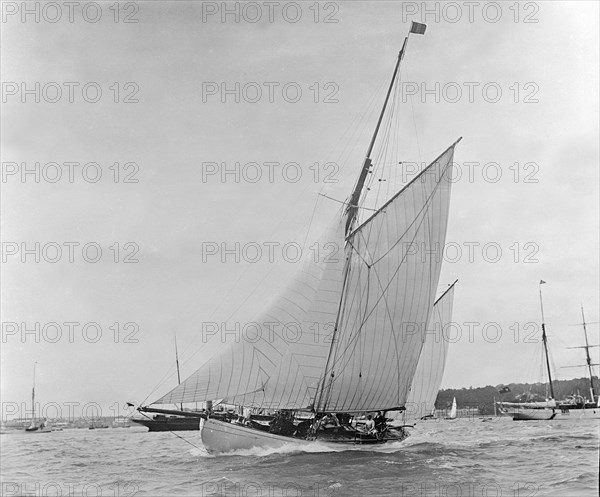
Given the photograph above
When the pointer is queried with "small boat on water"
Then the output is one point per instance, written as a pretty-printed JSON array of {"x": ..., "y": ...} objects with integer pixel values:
[
  {"x": 162, "y": 422},
  {"x": 453, "y": 410},
  {"x": 97, "y": 425},
  {"x": 41, "y": 426},
  {"x": 377, "y": 298},
  {"x": 166, "y": 420}
]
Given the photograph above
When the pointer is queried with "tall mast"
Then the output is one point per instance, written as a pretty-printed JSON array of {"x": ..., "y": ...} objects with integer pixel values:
[
  {"x": 587, "y": 355},
  {"x": 545, "y": 340},
  {"x": 352, "y": 209},
  {"x": 177, "y": 364}
]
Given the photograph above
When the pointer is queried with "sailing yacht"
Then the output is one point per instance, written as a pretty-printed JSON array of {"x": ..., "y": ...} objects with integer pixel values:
[
  {"x": 41, "y": 426},
  {"x": 378, "y": 298},
  {"x": 170, "y": 420},
  {"x": 534, "y": 411}
]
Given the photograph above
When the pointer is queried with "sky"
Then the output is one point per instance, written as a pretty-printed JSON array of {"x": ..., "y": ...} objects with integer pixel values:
[{"x": 528, "y": 210}]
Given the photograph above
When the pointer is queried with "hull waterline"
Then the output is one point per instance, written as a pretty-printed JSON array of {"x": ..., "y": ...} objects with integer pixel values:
[
  {"x": 220, "y": 436},
  {"x": 578, "y": 413},
  {"x": 170, "y": 424},
  {"x": 526, "y": 414}
]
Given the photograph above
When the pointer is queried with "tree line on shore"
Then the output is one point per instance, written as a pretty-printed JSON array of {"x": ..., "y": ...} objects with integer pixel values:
[{"x": 483, "y": 398}]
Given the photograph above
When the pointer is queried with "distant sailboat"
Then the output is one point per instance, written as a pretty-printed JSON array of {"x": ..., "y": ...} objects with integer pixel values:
[
  {"x": 377, "y": 298},
  {"x": 34, "y": 427},
  {"x": 534, "y": 411},
  {"x": 165, "y": 420},
  {"x": 453, "y": 410}
]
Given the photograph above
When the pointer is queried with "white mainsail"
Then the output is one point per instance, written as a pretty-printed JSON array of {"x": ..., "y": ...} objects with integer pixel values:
[
  {"x": 432, "y": 361},
  {"x": 395, "y": 262},
  {"x": 279, "y": 363}
]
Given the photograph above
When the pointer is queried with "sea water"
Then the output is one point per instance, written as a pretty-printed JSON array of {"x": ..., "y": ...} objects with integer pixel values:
[{"x": 460, "y": 458}]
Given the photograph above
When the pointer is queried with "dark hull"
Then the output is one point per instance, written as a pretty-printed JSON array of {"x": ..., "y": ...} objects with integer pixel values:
[{"x": 170, "y": 424}]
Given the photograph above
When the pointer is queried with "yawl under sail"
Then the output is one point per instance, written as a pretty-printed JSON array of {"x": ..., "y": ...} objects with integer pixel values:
[{"x": 375, "y": 298}]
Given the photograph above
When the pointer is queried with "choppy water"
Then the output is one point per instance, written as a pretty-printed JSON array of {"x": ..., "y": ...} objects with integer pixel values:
[{"x": 467, "y": 458}]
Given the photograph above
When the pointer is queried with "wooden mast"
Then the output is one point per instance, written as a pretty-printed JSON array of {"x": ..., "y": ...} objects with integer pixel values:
[
  {"x": 587, "y": 356},
  {"x": 352, "y": 209},
  {"x": 545, "y": 341},
  {"x": 177, "y": 364},
  {"x": 33, "y": 397}
]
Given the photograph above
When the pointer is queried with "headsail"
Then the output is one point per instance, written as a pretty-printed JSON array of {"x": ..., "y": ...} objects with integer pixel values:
[
  {"x": 279, "y": 361},
  {"x": 395, "y": 262},
  {"x": 432, "y": 361}
]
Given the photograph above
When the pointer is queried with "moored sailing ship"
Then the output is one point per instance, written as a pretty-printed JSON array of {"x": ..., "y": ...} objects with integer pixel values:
[
  {"x": 536, "y": 410},
  {"x": 376, "y": 297}
]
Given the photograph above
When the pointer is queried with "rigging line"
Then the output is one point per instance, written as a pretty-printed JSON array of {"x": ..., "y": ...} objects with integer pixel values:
[
  {"x": 405, "y": 187},
  {"x": 413, "y": 114},
  {"x": 419, "y": 305},
  {"x": 312, "y": 216},
  {"x": 386, "y": 127},
  {"x": 331, "y": 348},
  {"x": 346, "y": 203},
  {"x": 187, "y": 360},
  {"x": 393, "y": 276},
  {"x": 170, "y": 371},
  {"x": 429, "y": 232},
  {"x": 394, "y": 135},
  {"x": 383, "y": 148},
  {"x": 173, "y": 433},
  {"x": 360, "y": 119},
  {"x": 441, "y": 176},
  {"x": 424, "y": 209},
  {"x": 361, "y": 386},
  {"x": 395, "y": 338},
  {"x": 395, "y": 150}
]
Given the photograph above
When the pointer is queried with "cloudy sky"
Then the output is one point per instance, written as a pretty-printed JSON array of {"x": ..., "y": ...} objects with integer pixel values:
[{"x": 522, "y": 94}]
